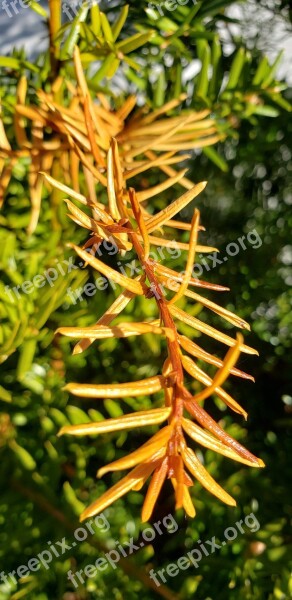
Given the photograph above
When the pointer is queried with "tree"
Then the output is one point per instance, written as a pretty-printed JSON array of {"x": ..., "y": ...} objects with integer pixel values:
[{"x": 246, "y": 163}]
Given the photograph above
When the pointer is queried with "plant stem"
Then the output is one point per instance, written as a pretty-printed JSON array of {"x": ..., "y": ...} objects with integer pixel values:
[
  {"x": 128, "y": 566},
  {"x": 173, "y": 345},
  {"x": 55, "y": 22}
]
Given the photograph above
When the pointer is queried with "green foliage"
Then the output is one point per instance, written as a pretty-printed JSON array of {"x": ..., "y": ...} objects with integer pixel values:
[{"x": 46, "y": 480}]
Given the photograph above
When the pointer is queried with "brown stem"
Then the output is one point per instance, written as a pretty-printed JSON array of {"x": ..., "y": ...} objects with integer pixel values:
[
  {"x": 126, "y": 564},
  {"x": 173, "y": 345}
]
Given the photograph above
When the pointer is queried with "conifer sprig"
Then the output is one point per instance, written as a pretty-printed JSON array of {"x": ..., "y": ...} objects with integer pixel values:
[{"x": 166, "y": 454}]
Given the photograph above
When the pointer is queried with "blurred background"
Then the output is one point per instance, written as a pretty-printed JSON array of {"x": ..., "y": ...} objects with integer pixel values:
[{"x": 45, "y": 480}]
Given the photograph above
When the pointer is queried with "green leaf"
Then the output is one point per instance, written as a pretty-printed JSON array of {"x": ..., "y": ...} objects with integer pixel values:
[
  {"x": 201, "y": 43},
  {"x": 88, "y": 58},
  {"x": 21, "y": 329},
  {"x": 59, "y": 417},
  {"x": 218, "y": 160},
  {"x": 95, "y": 18},
  {"x": 43, "y": 313},
  {"x": 106, "y": 28},
  {"x": 138, "y": 81},
  {"x": 268, "y": 80},
  {"x": 5, "y": 395},
  {"x": 87, "y": 34},
  {"x": 214, "y": 6},
  {"x": 262, "y": 72},
  {"x": 266, "y": 111},
  {"x": 119, "y": 23},
  {"x": 113, "y": 69},
  {"x": 24, "y": 456},
  {"x": 236, "y": 68},
  {"x": 95, "y": 415},
  {"x": 73, "y": 36},
  {"x": 37, "y": 8},
  {"x": 26, "y": 357},
  {"x": 203, "y": 81},
  {"x": 9, "y": 62},
  {"x": 134, "y": 42},
  {"x": 107, "y": 67},
  {"x": 72, "y": 499},
  {"x": 24, "y": 592},
  {"x": 186, "y": 21},
  {"x": 216, "y": 79},
  {"x": 167, "y": 25},
  {"x": 30, "y": 66},
  {"x": 178, "y": 81},
  {"x": 76, "y": 415},
  {"x": 151, "y": 13},
  {"x": 160, "y": 87},
  {"x": 132, "y": 63},
  {"x": 113, "y": 408},
  {"x": 280, "y": 101}
]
